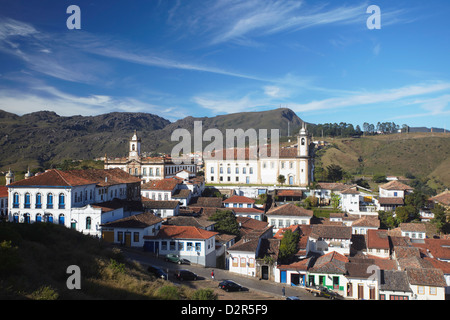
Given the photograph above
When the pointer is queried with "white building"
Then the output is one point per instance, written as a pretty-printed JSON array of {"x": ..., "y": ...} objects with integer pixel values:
[
  {"x": 287, "y": 215},
  {"x": 253, "y": 166},
  {"x": 79, "y": 199},
  {"x": 194, "y": 244}
]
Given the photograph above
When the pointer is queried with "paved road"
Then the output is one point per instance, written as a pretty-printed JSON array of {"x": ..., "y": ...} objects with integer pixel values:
[{"x": 263, "y": 286}]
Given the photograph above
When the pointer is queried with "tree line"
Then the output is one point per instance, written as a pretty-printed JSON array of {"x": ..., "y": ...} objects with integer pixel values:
[{"x": 344, "y": 129}]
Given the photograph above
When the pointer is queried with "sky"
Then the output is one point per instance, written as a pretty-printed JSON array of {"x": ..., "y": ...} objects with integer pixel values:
[{"x": 178, "y": 58}]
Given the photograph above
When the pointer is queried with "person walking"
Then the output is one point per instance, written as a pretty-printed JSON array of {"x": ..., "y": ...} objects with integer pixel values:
[
  {"x": 283, "y": 291},
  {"x": 212, "y": 274}
]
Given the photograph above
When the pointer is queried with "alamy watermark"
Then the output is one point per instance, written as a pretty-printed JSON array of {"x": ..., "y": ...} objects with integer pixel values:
[{"x": 250, "y": 143}]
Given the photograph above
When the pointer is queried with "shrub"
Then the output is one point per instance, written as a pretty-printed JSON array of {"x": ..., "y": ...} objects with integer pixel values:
[
  {"x": 168, "y": 293},
  {"x": 45, "y": 293},
  {"x": 204, "y": 294}
]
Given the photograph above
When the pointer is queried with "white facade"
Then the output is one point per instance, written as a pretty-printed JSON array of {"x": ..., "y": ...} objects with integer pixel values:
[{"x": 243, "y": 263}]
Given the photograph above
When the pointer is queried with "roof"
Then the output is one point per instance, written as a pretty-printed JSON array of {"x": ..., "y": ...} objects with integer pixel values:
[
  {"x": 361, "y": 269},
  {"x": 269, "y": 247},
  {"x": 142, "y": 220},
  {"x": 367, "y": 221},
  {"x": 395, "y": 185},
  {"x": 190, "y": 221},
  {"x": 251, "y": 153},
  {"x": 182, "y": 232},
  {"x": 208, "y": 202},
  {"x": 350, "y": 190},
  {"x": 413, "y": 227},
  {"x": 160, "y": 204},
  {"x": 332, "y": 262},
  {"x": 289, "y": 209},
  {"x": 239, "y": 199},
  {"x": 390, "y": 201},
  {"x": 181, "y": 194},
  {"x": 71, "y": 178},
  {"x": 443, "y": 198},
  {"x": 377, "y": 239},
  {"x": 247, "y": 224},
  {"x": 289, "y": 193},
  {"x": 334, "y": 186},
  {"x": 53, "y": 178},
  {"x": 331, "y": 232},
  {"x": 164, "y": 184},
  {"x": 391, "y": 280},
  {"x": 247, "y": 210},
  {"x": 426, "y": 276},
  {"x": 437, "y": 248}
]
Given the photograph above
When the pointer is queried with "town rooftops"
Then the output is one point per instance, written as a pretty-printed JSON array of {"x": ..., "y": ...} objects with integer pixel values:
[
  {"x": 331, "y": 232},
  {"x": 391, "y": 280},
  {"x": 332, "y": 262},
  {"x": 390, "y": 201},
  {"x": 413, "y": 227},
  {"x": 426, "y": 276},
  {"x": 395, "y": 185},
  {"x": 289, "y": 209},
  {"x": 160, "y": 204},
  {"x": 377, "y": 239}
]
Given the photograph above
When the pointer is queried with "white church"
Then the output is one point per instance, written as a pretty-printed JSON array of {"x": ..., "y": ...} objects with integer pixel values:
[{"x": 294, "y": 163}]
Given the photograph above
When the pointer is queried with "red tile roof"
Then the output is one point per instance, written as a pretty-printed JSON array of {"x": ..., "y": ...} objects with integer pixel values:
[
  {"x": 3, "y": 191},
  {"x": 239, "y": 199},
  {"x": 289, "y": 209},
  {"x": 182, "y": 232},
  {"x": 168, "y": 184},
  {"x": 53, "y": 177},
  {"x": 377, "y": 239},
  {"x": 395, "y": 185},
  {"x": 443, "y": 198}
]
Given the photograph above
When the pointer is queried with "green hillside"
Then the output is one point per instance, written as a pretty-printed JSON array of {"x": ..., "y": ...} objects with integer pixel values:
[
  {"x": 34, "y": 260},
  {"x": 424, "y": 155}
]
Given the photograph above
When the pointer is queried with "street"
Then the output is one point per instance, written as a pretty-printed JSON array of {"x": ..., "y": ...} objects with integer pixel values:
[{"x": 257, "y": 289}]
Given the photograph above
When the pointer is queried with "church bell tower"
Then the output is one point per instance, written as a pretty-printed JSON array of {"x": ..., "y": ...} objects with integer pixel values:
[{"x": 135, "y": 147}]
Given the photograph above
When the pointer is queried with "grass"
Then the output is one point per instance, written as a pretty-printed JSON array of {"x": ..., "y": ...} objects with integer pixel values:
[{"x": 34, "y": 260}]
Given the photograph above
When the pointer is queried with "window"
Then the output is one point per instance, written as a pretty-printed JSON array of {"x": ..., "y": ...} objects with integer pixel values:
[
  {"x": 242, "y": 262},
  {"x": 180, "y": 246},
  {"x": 198, "y": 246},
  {"x": 244, "y": 170},
  {"x": 61, "y": 204},
  {"x": 420, "y": 290},
  {"x": 228, "y": 170},
  {"x": 27, "y": 201},
  {"x": 220, "y": 170},
  {"x": 212, "y": 169},
  {"x": 16, "y": 200},
  {"x": 433, "y": 291},
  {"x": 120, "y": 236},
  {"x": 235, "y": 262},
  {"x": 163, "y": 245},
  {"x": 189, "y": 246},
  {"x": 251, "y": 262},
  {"x": 88, "y": 223},
  {"x": 144, "y": 171},
  {"x": 157, "y": 172},
  {"x": 172, "y": 245},
  {"x": 251, "y": 170},
  {"x": 49, "y": 201},
  {"x": 237, "y": 170}
]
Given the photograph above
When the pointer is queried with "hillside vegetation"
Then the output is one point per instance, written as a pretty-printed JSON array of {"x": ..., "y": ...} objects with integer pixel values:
[
  {"x": 423, "y": 155},
  {"x": 34, "y": 260}
]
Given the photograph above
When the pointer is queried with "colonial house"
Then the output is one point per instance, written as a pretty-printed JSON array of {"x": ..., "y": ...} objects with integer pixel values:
[
  {"x": 356, "y": 202},
  {"x": 329, "y": 270},
  {"x": 162, "y": 208},
  {"x": 79, "y": 199},
  {"x": 415, "y": 231},
  {"x": 259, "y": 166},
  {"x": 194, "y": 244},
  {"x": 362, "y": 279},
  {"x": 130, "y": 231},
  {"x": 364, "y": 224},
  {"x": 244, "y": 207},
  {"x": 326, "y": 238},
  {"x": 377, "y": 243},
  {"x": 392, "y": 195},
  {"x": 288, "y": 214},
  {"x": 442, "y": 199},
  {"x": 394, "y": 285},
  {"x": 148, "y": 168},
  {"x": 160, "y": 189},
  {"x": 426, "y": 283},
  {"x": 243, "y": 254}
]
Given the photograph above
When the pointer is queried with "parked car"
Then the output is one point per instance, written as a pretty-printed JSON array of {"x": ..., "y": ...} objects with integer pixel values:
[
  {"x": 321, "y": 291},
  {"x": 157, "y": 272},
  {"x": 185, "y": 275},
  {"x": 229, "y": 285},
  {"x": 176, "y": 259}
]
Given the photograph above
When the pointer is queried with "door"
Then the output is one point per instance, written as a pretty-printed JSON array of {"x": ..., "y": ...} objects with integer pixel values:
[
  {"x": 360, "y": 291},
  {"x": 108, "y": 236},
  {"x": 265, "y": 272},
  {"x": 283, "y": 276},
  {"x": 128, "y": 239},
  {"x": 247, "y": 180},
  {"x": 291, "y": 180},
  {"x": 322, "y": 281}
]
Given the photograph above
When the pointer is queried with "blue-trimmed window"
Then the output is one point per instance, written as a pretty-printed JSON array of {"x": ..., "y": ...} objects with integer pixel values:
[
  {"x": 38, "y": 201},
  {"x": 16, "y": 201},
  {"x": 49, "y": 201},
  {"x": 61, "y": 203},
  {"x": 27, "y": 204}
]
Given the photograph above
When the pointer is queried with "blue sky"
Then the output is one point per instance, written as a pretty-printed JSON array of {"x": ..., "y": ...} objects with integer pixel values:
[{"x": 176, "y": 58}]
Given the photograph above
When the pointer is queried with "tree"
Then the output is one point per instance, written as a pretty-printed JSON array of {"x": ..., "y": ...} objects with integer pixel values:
[
  {"x": 225, "y": 222},
  {"x": 404, "y": 214},
  {"x": 379, "y": 178},
  {"x": 288, "y": 245},
  {"x": 335, "y": 172},
  {"x": 440, "y": 219},
  {"x": 281, "y": 179},
  {"x": 335, "y": 200}
]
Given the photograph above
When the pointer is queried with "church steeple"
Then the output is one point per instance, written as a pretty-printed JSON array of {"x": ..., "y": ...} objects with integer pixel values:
[
  {"x": 9, "y": 177},
  {"x": 303, "y": 141},
  {"x": 135, "y": 147}
]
